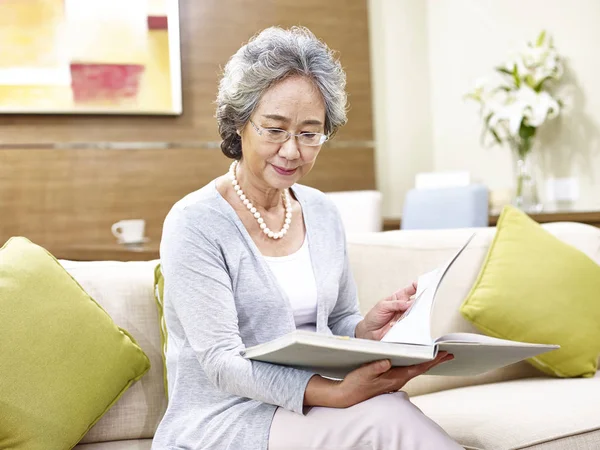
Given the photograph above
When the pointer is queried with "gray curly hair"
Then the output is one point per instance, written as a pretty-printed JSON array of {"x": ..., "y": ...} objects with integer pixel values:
[{"x": 266, "y": 59}]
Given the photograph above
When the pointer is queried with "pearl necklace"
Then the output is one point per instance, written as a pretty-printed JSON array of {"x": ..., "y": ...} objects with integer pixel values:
[{"x": 261, "y": 222}]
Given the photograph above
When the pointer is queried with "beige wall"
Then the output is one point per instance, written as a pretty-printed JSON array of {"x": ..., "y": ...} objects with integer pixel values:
[
  {"x": 464, "y": 40},
  {"x": 401, "y": 87}
]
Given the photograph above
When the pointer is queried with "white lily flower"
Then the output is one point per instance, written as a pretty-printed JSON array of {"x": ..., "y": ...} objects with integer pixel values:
[
  {"x": 511, "y": 114},
  {"x": 510, "y": 104},
  {"x": 516, "y": 59},
  {"x": 515, "y": 112},
  {"x": 535, "y": 56},
  {"x": 553, "y": 66},
  {"x": 536, "y": 107}
]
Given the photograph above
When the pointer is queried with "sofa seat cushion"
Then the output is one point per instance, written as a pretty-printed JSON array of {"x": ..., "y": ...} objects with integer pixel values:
[
  {"x": 134, "y": 444},
  {"x": 537, "y": 413}
]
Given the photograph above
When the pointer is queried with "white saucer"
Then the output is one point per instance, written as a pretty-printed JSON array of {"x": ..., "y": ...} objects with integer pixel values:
[{"x": 142, "y": 241}]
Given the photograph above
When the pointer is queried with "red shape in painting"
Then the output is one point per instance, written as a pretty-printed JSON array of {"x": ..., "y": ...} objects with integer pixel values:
[
  {"x": 158, "y": 23},
  {"x": 101, "y": 82}
]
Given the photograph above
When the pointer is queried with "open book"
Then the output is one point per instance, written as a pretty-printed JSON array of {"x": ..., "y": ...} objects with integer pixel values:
[{"x": 408, "y": 342}]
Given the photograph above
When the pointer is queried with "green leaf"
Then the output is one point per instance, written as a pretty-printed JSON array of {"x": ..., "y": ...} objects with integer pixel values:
[
  {"x": 515, "y": 74},
  {"x": 504, "y": 71},
  {"x": 487, "y": 128},
  {"x": 541, "y": 38},
  {"x": 498, "y": 140}
]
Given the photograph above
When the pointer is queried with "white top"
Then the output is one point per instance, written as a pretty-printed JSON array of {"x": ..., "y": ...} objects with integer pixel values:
[{"x": 295, "y": 275}]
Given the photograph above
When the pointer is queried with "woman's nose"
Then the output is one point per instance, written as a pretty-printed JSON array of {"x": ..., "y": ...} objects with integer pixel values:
[{"x": 289, "y": 149}]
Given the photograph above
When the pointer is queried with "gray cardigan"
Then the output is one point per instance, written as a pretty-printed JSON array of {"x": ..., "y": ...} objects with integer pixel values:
[{"x": 221, "y": 297}]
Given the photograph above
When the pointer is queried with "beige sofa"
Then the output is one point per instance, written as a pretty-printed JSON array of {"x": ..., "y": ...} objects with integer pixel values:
[{"x": 512, "y": 408}]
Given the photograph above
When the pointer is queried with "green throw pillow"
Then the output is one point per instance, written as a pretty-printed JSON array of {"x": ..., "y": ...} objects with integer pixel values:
[
  {"x": 159, "y": 287},
  {"x": 64, "y": 362},
  {"x": 533, "y": 287}
]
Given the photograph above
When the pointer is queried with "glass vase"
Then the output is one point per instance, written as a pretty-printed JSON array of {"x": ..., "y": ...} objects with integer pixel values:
[{"x": 526, "y": 195}]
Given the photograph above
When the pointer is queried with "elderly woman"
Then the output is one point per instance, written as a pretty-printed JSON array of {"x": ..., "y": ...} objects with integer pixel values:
[{"x": 253, "y": 255}]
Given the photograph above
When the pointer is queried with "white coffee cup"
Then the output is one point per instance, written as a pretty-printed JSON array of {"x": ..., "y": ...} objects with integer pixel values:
[{"x": 129, "y": 231}]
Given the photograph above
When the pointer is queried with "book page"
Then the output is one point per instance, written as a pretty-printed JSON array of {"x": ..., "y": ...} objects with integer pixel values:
[
  {"x": 483, "y": 353},
  {"x": 414, "y": 326},
  {"x": 474, "y": 338}
]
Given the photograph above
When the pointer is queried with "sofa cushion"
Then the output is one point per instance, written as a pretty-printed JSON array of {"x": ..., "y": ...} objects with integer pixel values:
[
  {"x": 519, "y": 414},
  {"x": 124, "y": 290},
  {"x": 533, "y": 287},
  {"x": 135, "y": 444},
  {"x": 383, "y": 262},
  {"x": 64, "y": 361}
]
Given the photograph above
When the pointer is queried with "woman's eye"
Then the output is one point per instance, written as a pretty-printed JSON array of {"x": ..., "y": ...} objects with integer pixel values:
[{"x": 275, "y": 131}]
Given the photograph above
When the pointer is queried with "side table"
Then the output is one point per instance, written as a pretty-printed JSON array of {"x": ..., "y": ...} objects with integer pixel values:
[{"x": 108, "y": 252}]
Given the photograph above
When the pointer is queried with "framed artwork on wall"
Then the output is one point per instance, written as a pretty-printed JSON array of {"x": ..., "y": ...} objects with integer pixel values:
[{"x": 90, "y": 57}]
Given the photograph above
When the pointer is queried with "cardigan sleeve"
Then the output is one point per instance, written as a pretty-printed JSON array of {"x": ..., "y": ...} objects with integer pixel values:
[
  {"x": 199, "y": 288},
  {"x": 345, "y": 315}
]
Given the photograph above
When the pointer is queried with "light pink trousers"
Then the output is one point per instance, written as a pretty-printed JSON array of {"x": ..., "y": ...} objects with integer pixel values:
[{"x": 385, "y": 422}]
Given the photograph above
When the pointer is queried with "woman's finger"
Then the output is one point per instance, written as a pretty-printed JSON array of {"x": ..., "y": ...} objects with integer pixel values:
[{"x": 397, "y": 305}]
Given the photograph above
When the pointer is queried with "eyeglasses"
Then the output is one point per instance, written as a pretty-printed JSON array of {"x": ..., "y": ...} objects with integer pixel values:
[{"x": 279, "y": 136}]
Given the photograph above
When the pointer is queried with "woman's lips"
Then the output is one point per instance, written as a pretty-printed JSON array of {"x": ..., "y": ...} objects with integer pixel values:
[{"x": 282, "y": 171}]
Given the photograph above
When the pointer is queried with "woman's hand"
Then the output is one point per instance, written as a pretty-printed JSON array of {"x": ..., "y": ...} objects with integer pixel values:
[
  {"x": 378, "y": 378},
  {"x": 384, "y": 314}
]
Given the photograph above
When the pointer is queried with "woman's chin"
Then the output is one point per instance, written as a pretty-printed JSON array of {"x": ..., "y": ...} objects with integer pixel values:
[{"x": 281, "y": 184}]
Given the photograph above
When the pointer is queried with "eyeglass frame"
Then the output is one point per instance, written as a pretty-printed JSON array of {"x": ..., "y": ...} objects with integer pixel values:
[{"x": 260, "y": 131}]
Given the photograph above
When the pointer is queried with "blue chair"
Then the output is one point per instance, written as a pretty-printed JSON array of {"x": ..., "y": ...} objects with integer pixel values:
[{"x": 450, "y": 207}]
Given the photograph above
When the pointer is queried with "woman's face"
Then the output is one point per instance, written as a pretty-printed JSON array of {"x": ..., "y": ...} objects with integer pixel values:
[{"x": 294, "y": 105}]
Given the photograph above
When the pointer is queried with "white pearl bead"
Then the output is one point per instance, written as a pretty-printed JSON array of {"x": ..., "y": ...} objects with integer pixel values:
[
  {"x": 246, "y": 201},
  {"x": 263, "y": 225},
  {"x": 288, "y": 221},
  {"x": 286, "y": 226},
  {"x": 257, "y": 215},
  {"x": 253, "y": 210},
  {"x": 234, "y": 182},
  {"x": 266, "y": 230},
  {"x": 271, "y": 234},
  {"x": 288, "y": 215},
  {"x": 276, "y": 236},
  {"x": 249, "y": 206},
  {"x": 283, "y": 232},
  {"x": 260, "y": 219},
  {"x": 236, "y": 187},
  {"x": 243, "y": 197}
]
